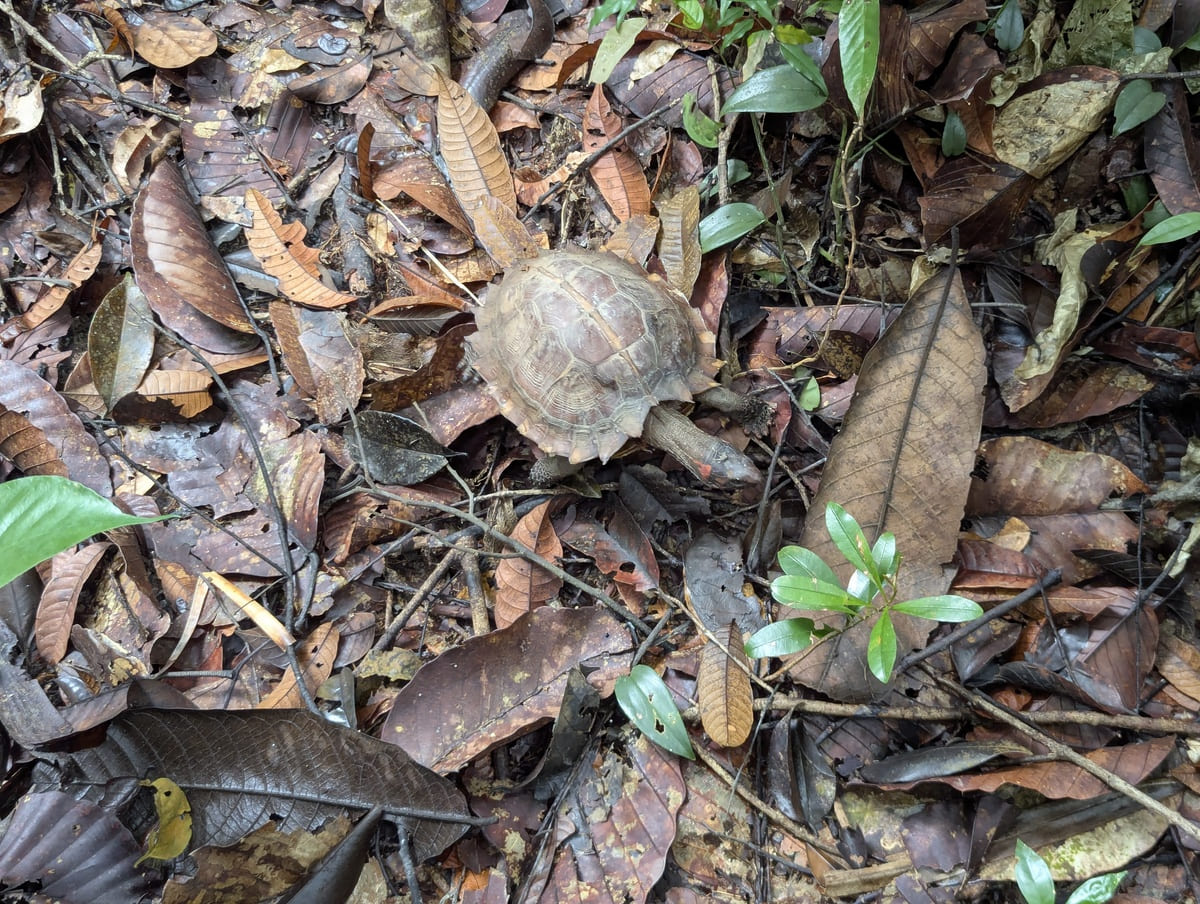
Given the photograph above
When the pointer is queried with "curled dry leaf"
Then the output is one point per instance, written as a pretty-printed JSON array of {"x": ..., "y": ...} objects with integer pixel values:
[
  {"x": 281, "y": 251},
  {"x": 315, "y": 654},
  {"x": 69, "y": 571},
  {"x": 723, "y": 689},
  {"x": 179, "y": 269},
  {"x": 53, "y": 297}
]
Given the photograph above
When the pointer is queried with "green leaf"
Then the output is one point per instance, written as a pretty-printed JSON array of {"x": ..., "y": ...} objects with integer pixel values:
[
  {"x": 1137, "y": 103},
  {"x": 941, "y": 608},
  {"x": 1172, "y": 229},
  {"x": 42, "y": 516},
  {"x": 881, "y": 648},
  {"x": 693, "y": 13},
  {"x": 954, "y": 135},
  {"x": 781, "y": 638},
  {"x": 884, "y": 555},
  {"x": 702, "y": 130},
  {"x": 858, "y": 45},
  {"x": 805, "y": 65},
  {"x": 801, "y": 561},
  {"x": 780, "y": 89},
  {"x": 862, "y": 587},
  {"x": 810, "y": 396},
  {"x": 791, "y": 36},
  {"x": 1098, "y": 889},
  {"x": 644, "y": 698},
  {"x": 848, "y": 537},
  {"x": 1145, "y": 41},
  {"x": 728, "y": 224},
  {"x": 810, "y": 593},
  {"x": 1010, "y": 27},
  {"x": 613, "y": 46},
  {"x": 1193, "y": 43},
  {"x": 1033, "y": 876},
  {"x": 618, "y": 8}
]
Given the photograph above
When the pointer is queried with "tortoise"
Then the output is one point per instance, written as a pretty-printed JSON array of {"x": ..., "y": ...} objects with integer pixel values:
[{"x": 583, "y": 351}]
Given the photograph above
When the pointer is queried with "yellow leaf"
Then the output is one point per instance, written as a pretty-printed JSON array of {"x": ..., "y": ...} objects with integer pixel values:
[{"x": 170, "y": 838}]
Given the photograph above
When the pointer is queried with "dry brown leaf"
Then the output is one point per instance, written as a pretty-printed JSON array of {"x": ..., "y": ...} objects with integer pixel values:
[
  {"x": 26, "y": 447},
  {"x": 318, "y": 353},
  {"x": 316, "y": 654},
  {"x": 281, "y": 251},
  {"x": 501, "y": 234},
  {"x": 522, "y": 585},
  {"x": 172, "y": 41},
  {"x": 1179, "y": 663},
  {"x": 902, "y": 463},
  {"x": 187, "y": 390},
  {"x": 679, "y": 249},
  {"x": 616, "y": 172},
  {"x": 471, "y": 149},
  {"x": 76, "y": 273},
  {"x": 69, "y": 571},
  {"x": 723, "y": 689}
]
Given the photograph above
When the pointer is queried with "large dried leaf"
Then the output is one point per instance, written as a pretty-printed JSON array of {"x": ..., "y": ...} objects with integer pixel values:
[
  {"x": 522, "y": 585},
  {"x": 723, "y": 689},
  {"x": 179, "y": 269},
  {"x": 477, "y": 696},
  {"x": 242, "y": 768},
  {"x": 281, "y": 251},
  {"x": 902, "y": 463},
  {"x": 471, "y": 150},
  {"x": 617, "y": 826},
  {"x": 78, "y": 851}
]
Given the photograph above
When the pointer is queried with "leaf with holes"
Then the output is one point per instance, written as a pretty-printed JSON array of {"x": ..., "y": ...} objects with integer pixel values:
[{"x": 647, "y": 702}]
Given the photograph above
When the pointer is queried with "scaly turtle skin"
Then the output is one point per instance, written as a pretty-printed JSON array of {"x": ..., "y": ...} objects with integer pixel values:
[{"x": 580, "y": 349}]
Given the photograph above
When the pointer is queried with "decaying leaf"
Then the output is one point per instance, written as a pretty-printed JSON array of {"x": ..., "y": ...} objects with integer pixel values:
[{"x": 723, "y": 689}]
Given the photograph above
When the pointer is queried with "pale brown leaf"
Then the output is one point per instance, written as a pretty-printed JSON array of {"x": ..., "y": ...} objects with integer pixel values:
[
  {"x": 723, "y": 689},
  {"x": 522, "y": 585},
  {"x": 471, "y": 149}
]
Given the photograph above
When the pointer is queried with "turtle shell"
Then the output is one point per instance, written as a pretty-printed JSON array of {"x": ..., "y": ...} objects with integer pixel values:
[{"x": 577, "y": 346}]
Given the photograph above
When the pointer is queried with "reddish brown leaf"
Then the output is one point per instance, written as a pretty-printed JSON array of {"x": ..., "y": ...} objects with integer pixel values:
[
  {"x": 723, "y": 689},
  {"x": 319, "y": 354},
  {"x": 522, "y": 585},
  {"x": 616, "y": 172},
  {"x": 26, "y": 447},
  {"x": 472, "y": 699},
  {"x": 69, "y": 571}
]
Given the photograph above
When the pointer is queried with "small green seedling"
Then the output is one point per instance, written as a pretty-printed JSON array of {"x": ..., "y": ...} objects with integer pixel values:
[
  {"x": 809, "y": 583},
  {"x": 1037, "y": 885}
]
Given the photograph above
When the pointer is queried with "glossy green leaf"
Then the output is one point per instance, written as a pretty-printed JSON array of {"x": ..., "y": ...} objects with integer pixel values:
[
  {"x": 941, "y": 608},
  {"x": 858, "y": 46},
  {"x": 884, "y": 554},
  {"x": 1137, "y": 103},
  {"x": 702, "y": 130},
  {"x": 881, "y": 648},
  {"x": 809, "y": 593},
  {"x": 1033, "y": 876},
  {"x": 613, "y": 46},
  {"x": 1172, "y": 229},
  {"x": 728, "y": 224},
  {"x": 1098, "y": 889},
  {"x": 42, "y": 516},
  {"x": 954, "y": 135},
  {"x": 799, "y": 60},
  {"x": 848, "y": 537},
  {"x": 1010, "y": 27},
  {"x": 801, "y": 561},
  {"x": 647, "y": 702},
  {"x": 781, "y": 638},
  {"x": 862, "y": 587},
  {"x": 780, "y": 89}
]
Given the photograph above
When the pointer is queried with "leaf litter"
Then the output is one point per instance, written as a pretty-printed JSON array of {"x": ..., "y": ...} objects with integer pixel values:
[{"x": 245, "y": 245}]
